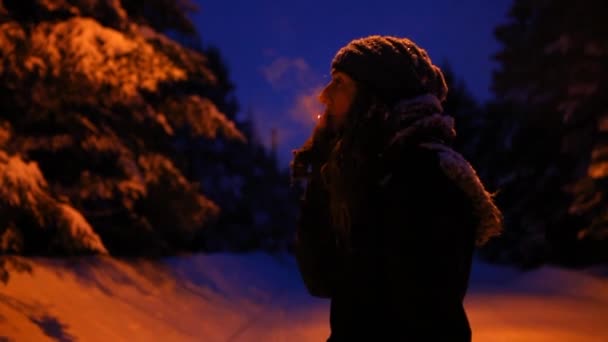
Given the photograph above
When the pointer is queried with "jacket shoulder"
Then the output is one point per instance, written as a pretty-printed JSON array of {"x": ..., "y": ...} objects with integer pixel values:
[
  {"x": 411, "y": 163},
  {"x": 414, "y": 178}
]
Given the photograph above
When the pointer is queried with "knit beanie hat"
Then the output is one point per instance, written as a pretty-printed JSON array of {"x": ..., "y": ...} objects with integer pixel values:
[{"x": 393, "y": 68}]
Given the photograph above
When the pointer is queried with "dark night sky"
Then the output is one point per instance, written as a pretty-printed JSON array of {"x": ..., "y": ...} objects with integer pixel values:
[{"x": 279, "y": 52}]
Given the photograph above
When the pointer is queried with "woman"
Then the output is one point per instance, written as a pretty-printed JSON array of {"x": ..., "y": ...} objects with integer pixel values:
[{"x": 391, "y": 213}]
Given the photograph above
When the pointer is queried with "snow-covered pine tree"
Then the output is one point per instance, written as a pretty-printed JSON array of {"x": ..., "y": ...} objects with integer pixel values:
[
  {"x": 93, "y": 96},
  {"x": 258, "y": 209}
]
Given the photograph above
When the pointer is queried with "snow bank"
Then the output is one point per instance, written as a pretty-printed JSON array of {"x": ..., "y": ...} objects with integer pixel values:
[{"x": 259, "y": 297}]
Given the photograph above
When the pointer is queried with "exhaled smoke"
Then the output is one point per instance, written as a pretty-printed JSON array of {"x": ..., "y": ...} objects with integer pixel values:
[
  {"x": 287, "y": 73},
  {"x": 307, "y": 108}
]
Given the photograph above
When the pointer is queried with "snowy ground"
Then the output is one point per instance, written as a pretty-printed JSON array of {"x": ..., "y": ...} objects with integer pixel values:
[{"x": 258, "y": 297}]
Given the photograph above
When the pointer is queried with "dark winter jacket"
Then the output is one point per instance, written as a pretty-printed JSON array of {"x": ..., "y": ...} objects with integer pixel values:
[{"x": 406, "y": 274}]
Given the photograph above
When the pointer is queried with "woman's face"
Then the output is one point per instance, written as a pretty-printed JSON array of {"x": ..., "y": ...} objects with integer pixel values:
[{"x": 337, "y": 97}]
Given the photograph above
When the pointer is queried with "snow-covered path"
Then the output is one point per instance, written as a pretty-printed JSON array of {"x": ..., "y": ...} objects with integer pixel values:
[{"x": 258, "y": 297}]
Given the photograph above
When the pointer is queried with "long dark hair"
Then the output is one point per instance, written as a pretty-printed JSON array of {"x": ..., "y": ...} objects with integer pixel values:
[{"x": 344, "y": 159}]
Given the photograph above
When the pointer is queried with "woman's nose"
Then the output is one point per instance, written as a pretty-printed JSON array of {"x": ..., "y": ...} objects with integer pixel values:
[{"x": 324, "y": 96}]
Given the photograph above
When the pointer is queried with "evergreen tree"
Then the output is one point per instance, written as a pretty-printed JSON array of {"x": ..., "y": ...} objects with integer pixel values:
[
  {"x": 258, "y": 208},
  {"x": 550, "y": 112},
  {"x": 94, "y": 100},
  {"x": 467, "y": 113}
]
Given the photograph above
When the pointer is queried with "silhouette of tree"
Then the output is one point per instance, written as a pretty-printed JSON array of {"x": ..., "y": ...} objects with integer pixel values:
[{"x": 550, "y": 116}]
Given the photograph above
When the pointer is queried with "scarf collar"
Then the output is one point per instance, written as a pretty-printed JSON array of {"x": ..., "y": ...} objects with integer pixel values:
[
  {"x": 421, "y": 121},
  {"x": 420, "y": 118}
]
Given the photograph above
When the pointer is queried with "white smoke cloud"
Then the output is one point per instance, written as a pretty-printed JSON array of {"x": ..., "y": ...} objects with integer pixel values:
[
  {"x": 307, "y": 107},
  {"x": 285, "y": 72},
  {"x": 295, "y": 81}
]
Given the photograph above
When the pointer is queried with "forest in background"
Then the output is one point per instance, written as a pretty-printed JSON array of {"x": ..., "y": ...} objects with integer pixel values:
[{"x": 119, "y": 135}]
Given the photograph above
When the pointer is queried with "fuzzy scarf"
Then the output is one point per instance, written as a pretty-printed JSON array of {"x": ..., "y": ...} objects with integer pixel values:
[{"x": 416, "y": 120}]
